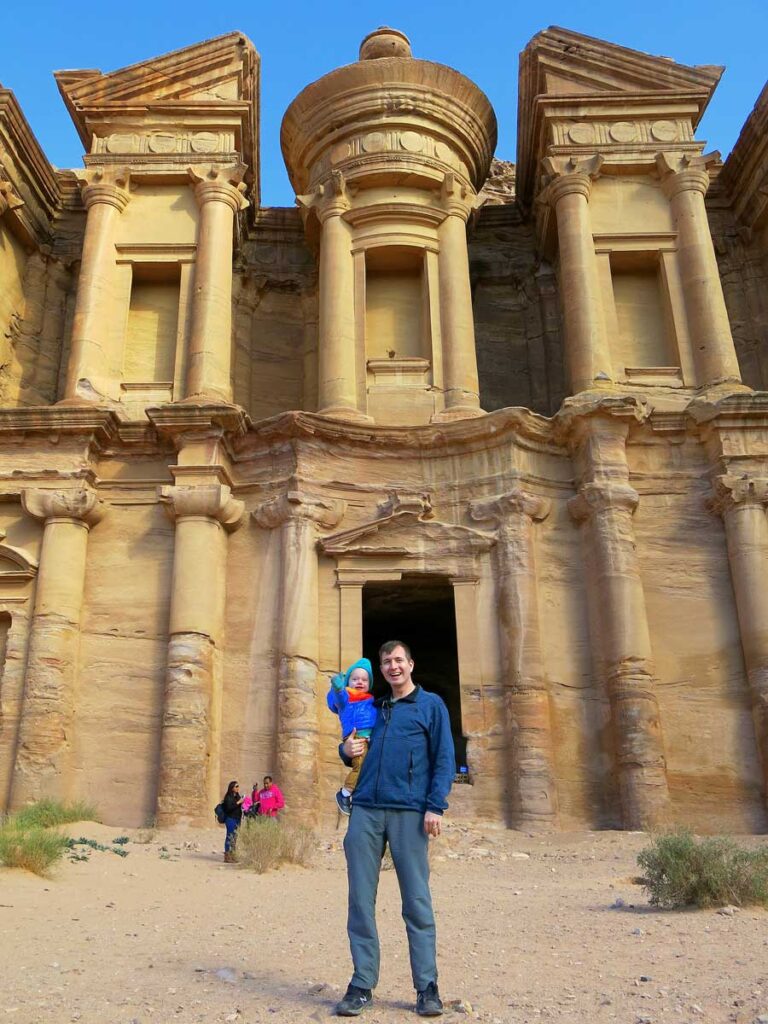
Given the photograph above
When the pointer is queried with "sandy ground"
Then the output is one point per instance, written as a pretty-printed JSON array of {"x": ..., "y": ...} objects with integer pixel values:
[{"x": 530, "y": 929}]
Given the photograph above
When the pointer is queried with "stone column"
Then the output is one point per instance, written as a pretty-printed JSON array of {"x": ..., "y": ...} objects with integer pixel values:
[
  {"x": 45, "y": 736},
  {"x": 91, "y": 374},
  {"x": 337, "y": 373},
  {"x": 685, "y": 180},
  {"x": 605, "y": 505},
  {"x": 534, "y": 790},
  {"x": 298, "y": 516},
  {"x": 457, "y": 324},
  {"x": 188, "y": 785},
  {"x": 219, "y": 193},
  {"x": 568, "y": 193},
  {"x": 742, "y": 502}
]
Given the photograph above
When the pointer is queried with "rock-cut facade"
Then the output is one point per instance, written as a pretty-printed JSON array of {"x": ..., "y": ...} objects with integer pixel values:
[{"x": 513, "y": 414}]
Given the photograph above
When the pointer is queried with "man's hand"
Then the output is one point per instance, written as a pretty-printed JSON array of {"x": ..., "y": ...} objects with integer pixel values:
[
  {"x": 352, "y": 746},
  {"x": 432, "y": 823}
]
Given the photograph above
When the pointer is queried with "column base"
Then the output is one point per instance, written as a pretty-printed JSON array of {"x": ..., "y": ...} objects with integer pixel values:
[
  {"x": 344, "y": 412},
  {"x": 458, "y": 412}
]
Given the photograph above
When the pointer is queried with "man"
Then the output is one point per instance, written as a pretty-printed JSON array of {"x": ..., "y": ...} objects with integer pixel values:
[{"x": 399, "y": 799}]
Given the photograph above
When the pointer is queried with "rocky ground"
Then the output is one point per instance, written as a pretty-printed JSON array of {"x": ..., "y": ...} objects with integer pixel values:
[{"x": 531, "y": 929}]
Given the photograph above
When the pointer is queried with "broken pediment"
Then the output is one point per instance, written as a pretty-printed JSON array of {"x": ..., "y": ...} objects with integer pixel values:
[
  {"x": 575, "y": 90},
  {"x": 558, "y": 62},
  {"x": 219, "y": 74},
  {"x": 407, "y": 533}
]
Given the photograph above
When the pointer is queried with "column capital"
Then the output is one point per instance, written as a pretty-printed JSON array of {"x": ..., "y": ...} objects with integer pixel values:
[
  {"x": 205, "y": 501},
  {"x": 293, "y": 505},
  {"x": 457, "y": 200},
  {"x": 8, "y": 198},
  {"x": 330, "y": 199},
  {"x": 216, "y": 184},
  {"x": 738, "y": 492},
  {"x": 107, "y": 185},
  {"x": 79, "y": 505},
  {"x": 569, "y": 175},
  {"x": 681, "y": 172},
  {"x": 594, "y": 498},
  {"x": 514, "y": 502}
]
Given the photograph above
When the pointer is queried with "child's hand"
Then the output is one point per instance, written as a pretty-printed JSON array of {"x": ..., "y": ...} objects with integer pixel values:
[{"x": 338, "y": 682}]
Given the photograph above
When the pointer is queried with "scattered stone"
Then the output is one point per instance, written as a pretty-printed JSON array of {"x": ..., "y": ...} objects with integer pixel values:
[
  {"x": 460, "y": 1006},
  {"x": 519, "y": 855},
  {"x": 636, "y": 931},
  {"x": 226, "y": 974},
  {"x": 728, "y": 911},
  {"x": 618, "y": 903}
]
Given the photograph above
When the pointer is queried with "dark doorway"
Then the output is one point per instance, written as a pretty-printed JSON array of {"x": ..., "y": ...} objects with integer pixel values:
[{"x": 419, "y": 610}]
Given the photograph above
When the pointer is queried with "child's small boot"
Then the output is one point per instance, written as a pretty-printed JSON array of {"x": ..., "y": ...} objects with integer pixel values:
[{"x": 344, "y": 800}]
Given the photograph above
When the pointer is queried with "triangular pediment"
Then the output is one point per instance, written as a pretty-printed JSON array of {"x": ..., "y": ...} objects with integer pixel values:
[
  {"x": 220, "y": 71},
  {"x": 558, "y": 62},
  {"x": 564, "y": 74},
  {"x": 406, "y": 533}
]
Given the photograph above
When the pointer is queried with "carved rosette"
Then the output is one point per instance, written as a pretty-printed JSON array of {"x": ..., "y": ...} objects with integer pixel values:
[
  {"x": 80, "y": 505},
  {"x": 206, "y": 501},
  {"x": 293, "y": 505},
  {"x": 216, "y": 184}
]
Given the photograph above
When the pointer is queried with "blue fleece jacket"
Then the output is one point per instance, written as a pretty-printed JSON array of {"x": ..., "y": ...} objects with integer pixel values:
[
  {"x": 410, "y": 762},
  {"x": 353, "y": 714}
]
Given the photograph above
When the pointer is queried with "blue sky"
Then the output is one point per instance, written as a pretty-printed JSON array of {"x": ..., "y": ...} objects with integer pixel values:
[{"x": 299, "y": 41}]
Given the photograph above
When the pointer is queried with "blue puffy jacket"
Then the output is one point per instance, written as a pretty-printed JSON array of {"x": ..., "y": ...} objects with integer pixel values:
[
  {"x": 353, "y": 714},
  {"x": 410, "y": 762}
]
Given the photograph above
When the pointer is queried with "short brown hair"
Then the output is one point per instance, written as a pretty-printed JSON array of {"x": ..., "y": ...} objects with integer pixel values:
[{"x": 390, "y": 645}]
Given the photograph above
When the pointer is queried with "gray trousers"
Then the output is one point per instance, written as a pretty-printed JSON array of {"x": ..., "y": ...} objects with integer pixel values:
[{"x": 370, "y": 829}]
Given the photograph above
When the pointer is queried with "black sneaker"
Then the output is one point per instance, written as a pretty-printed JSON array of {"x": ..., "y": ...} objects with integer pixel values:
[
  {"x": 344, "y": 802},
  {"x": 354, "y": 1002},
  {"x": 428, "y": 1001}
]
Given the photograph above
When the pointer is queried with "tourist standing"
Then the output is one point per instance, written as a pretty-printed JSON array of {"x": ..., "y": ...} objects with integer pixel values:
[
  {"x": 233, "y": 814},
  {"x": 399, "y": 800},
  {"x": 271, "y": 799}
]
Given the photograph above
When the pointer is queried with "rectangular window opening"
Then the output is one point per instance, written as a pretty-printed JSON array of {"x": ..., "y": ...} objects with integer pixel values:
[
  {"x": 395, "y": 307},
  {"x": 153, "y": 316},
  {"x": 645, "y": 331}
]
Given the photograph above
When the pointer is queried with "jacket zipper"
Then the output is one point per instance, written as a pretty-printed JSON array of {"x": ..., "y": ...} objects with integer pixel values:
[{"x": 381, "y": 750}]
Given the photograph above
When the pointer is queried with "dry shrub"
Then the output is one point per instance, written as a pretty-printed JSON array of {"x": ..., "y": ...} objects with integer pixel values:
[
  {"x": 46, "y": 813},
  {"x": 35, "y": 849},
  {"x": 264, "y": 843},
  {"x": 681, "y": 871}
]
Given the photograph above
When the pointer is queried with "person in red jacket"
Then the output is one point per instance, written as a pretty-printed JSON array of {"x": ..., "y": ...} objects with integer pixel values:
[{"x": 271, "y": 800}]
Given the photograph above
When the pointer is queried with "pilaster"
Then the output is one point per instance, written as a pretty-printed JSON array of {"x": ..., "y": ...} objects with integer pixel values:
[
  {"x": 742, "y": 502},
  {"x": 42, "y": 767},
  {"x": 532, "y": 777},
  {"x": 299, "y": 516}
]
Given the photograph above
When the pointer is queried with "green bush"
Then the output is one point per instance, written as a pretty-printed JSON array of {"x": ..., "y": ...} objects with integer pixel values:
[
  {"x": 681, "y": 871},
  {"x": 264, "y": 843},
  {"x": 35, "y": 849},
  {"x": 46, "y": 813}
]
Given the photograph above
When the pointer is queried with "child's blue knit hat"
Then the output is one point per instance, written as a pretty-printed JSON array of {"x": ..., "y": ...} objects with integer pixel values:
[{"x": 360, "y": 663}]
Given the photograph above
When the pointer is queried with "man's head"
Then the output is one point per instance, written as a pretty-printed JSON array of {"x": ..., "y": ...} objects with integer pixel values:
[
  {"x": 396, "y": 664},
  {"x": 267, "y": 781}
]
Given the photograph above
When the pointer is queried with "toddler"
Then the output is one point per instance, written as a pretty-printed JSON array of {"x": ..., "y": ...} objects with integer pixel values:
[{"x": 351, "y": 699}]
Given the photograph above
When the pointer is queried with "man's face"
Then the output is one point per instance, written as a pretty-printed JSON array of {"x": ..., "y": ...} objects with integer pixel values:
[
  {"x": 358, "y": 680},
  {"x": 396, "y": 667}
]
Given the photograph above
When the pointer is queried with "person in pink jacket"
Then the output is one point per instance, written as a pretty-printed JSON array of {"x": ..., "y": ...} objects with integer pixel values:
[{"x": 270, "y": 799}]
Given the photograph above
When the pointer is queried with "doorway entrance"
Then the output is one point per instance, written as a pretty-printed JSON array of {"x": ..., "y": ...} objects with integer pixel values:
[{"x": 420, "y": 611}]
